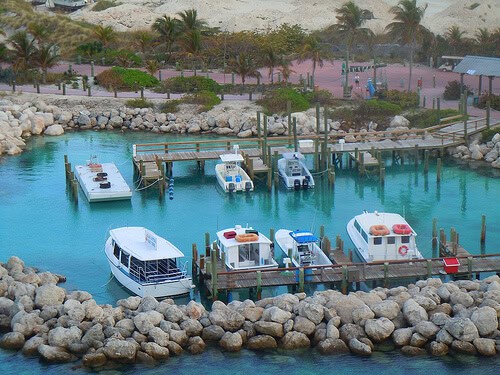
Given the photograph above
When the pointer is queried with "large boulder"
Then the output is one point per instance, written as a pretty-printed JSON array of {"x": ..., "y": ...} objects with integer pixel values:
[
  {"x": 12, "y": 341},
  {"x": 379, "y": 329},
  {"x": 231, "y": 342},
  {"x": 120, "y": 350},
  {"x": 64, "y": 337},
  {"x": 156, "y": 351},
  {"x": 332, "y": 346},
  {"x": 55, "y": 354},
  {"x": 49, "y": 295},
  {"x": 228, "y": 319},
  {"x": 303, "y": 325},
  {"x": 269, "y": 328},
  {"x": 275, "y": 314},
  {"x": 212, "y": 333},
  {"x": 54, "y": 130},
  {"x": 463, "y": 329},
  {"x": 295, "y": 340},
  {"x": 386, "y": 309},
  {"x": 486, "y": 320},
  {"x": 312, "y": 311},
  {"x": 261, "y": 342},
  {"x": 145, "y": 321},
  {"x": 359, "y": 347},
  {"x": 159, "y": 336},
  {"x": 413, "y": 312},
  {"x": 345, "y": 307},
  {"x": 402, "y": 336},
  {"x": 485, "y": 346}
]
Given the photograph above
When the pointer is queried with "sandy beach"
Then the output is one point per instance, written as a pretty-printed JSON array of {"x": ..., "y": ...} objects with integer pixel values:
[{"x": 236, "y": 15}]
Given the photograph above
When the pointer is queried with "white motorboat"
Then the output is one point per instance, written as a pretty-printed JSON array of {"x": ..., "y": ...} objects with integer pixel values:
[
  {"x": 380, "y": 236},
  {"x": 301, "y": 246},
  {"x": 146, "y": 264},
  {"x": 231, "y": 176},
  {"x": 294, "y": 172},
  {"x": 245, "y": 248}
]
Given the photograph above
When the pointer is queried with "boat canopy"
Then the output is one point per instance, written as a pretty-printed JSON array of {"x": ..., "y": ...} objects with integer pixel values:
[
  {"x": 369, "y": 219},
  {"x": 303, "y": 236},
  {"x": 293, "y": 155},
  {"x": 143, "y": 244},
  {"x": 226, "y": 158}
]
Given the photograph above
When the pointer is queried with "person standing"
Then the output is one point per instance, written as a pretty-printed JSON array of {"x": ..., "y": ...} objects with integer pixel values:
[{"x": 356, "y": 79}]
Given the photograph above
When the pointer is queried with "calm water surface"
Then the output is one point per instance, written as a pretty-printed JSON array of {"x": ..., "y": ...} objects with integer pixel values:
[{"x": 41, "y": 224}]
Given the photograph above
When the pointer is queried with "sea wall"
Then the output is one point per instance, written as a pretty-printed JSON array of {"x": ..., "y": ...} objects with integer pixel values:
[{"x": 43, "y": 319}]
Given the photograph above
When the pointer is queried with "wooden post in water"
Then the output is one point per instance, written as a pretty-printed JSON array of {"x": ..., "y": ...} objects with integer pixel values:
[
  {"x": 295, "y": 143},
  {"x": 271, "y": 234},
  {"x": 483, "y": 229},
  {"x": 382, "y": 176},
  {"x": 326, "y": 246},
  {"x": 434, "y": 238},
  {"x": 223, "y": 259},
  {"x": 207, "y": 244},
  {"x": 362, "y": 163},
  {"x": 426, "y": 161},
  {"x": 264, "y": 144},
  {"x": 416, "y": 156},
  {"x": 438, "y": 170},
  {"x": 301, "y": 279},
  {"x": 213, "y": 263},
  {"x": 469, "y": 267},
  {"x": 345, "y": 284},
  {"x": 324, "y": 149},
  {"x": 74, "y": 185},
  {"x": 429, "y": 268},
  {"x": 275, "y": 169},
  {"x": 194, "y": 252},
  {"x": 386, "y": 274},
  {"x": 259, "y": 284},
  {"x": 331, "y": 175}
]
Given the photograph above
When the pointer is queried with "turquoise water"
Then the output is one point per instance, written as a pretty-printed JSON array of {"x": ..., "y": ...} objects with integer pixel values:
[{"x": 43, "y": 226}]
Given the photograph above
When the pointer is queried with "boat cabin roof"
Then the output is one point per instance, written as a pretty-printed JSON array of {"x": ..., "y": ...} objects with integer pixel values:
[
  {"x": 143, "y": 244},
  {"x": 367, "y": 219},
  {"x": 303, "y": 236},
  {"x": 227, "y": 236},
  {"x": 227, "y": 158},
  {"x": 293, "y": 155}
]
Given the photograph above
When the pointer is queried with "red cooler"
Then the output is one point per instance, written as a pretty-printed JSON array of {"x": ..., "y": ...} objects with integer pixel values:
[{"x": 451, "y": 265}]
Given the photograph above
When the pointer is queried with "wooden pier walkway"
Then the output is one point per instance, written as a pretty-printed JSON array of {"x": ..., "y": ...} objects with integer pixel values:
[
  {"x": 337, "y": 276},
  {"x": 261, "y": 153}
]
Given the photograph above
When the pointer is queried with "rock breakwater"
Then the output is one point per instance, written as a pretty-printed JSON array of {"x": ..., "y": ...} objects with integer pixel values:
[{"x": 42, "y": 319}]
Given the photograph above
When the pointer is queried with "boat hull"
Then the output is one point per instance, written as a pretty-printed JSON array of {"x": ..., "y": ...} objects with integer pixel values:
[
  {"x": 285, "y": 242},
  {"x": 244, "y": 183},
  {"x": 168, "y": 288},
  {"x": 303, "y": 181}
]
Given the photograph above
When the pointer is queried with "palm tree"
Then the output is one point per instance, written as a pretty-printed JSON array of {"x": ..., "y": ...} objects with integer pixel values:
[
  {"x": 143, "y": 39},
  {"x": 169, "y": 29},
  {"x": 407, "y": 28},
  {"x": 191, "y": 44},
  {"x": 152, "y": 66},
  {"x": 190, "y": 20},
  {"x": 105, "y": 35},
  {"x": 350, "y": 21},
  {"x": 270, "y": 60},
  {"x": 285, "y": 68},
  {"x": 39, "y": 31},
  {"x": 244, "y": 66},
  {"x": 23, "y": 51},
  {"x": 47, "y": 56},
  {"x": 312, "y": 50},
  {"x": 454, "y": 36},
  {"x": 483, "y": 39}
]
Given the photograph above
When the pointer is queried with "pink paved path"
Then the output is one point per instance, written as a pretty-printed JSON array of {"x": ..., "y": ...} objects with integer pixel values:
[{"x": 328, "y": 77}]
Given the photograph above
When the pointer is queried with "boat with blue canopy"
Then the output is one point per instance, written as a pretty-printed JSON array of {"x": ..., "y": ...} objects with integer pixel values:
[{"x": 301, "y": 247}]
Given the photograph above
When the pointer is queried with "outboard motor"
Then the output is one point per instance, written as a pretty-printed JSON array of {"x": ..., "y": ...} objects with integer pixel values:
[
  {"x": 296, "y": 184},
  {"x": 248, "y": 186},
  {"x": 305, "y": 183},
  {"x": 231, "y": 187}
]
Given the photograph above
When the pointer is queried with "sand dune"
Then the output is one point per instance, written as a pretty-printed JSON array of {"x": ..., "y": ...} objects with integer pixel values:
[{"x": 235, "y": 15}]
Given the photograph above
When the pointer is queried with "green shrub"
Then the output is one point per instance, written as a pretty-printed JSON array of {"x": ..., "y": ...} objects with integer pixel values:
[
  {"x": 206, "y": 99},
  {"x": 452, "y": 90},
  {"x": 139, "y": 103},
  {"x": 323, "y": 97},
  {"x": 376, "y": 107},
  {"x": 189, "y": 84},
  {"x": 104, "y": 4},
  {"x": 424, "y": 118},
  {"x": 110, "y": 79},
  {"x": 121, "y": 57},
  {"x": 276, "y": 101},
  {"x": 170, "y": 106},
  {"x": 487, "y": 135},
  {"x": 402, "y": 98},
  {"x": 125, "y": 79},
  {"x": 494, "y": 101}
]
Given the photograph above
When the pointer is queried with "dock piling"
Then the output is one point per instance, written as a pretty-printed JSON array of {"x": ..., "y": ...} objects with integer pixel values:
[
  {"x": 438, "y": 170},
  {"x": 483, "y": 229},
  {"x": 207, "y": 244}
]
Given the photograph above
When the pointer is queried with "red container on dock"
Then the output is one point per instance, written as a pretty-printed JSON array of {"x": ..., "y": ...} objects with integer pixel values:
[{"x": 451, "y": 265}]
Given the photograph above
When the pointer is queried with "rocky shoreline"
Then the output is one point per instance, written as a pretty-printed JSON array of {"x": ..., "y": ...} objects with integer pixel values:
[
  {"x": 18, "y": 122},
  {"x": 43, "y": 319}
]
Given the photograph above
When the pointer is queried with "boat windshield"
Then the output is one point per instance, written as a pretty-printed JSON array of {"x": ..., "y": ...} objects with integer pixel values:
[{"x": 154, "y": 270}]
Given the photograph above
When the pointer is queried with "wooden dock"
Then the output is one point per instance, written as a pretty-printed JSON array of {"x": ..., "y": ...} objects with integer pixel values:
[{"x": 338, "y": 276}]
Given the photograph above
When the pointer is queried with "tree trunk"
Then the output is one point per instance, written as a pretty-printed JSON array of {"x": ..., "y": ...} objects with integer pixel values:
[
  {"x": 346, "y": 84},
  {"x": 412, "y": 45}
]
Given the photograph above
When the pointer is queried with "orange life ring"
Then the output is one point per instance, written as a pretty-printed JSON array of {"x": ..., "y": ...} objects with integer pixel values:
[
  {"x": 379, "y": 230},
  {"x": 401, "y": 229},
  {"x": 247, "y": 237},
  {"x": 403, "y": 250}
]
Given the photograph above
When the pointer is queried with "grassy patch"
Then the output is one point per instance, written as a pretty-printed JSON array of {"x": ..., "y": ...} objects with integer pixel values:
[
  {"x": 206, "y": 99},
  {"x": 104, "y": 4},
  {"x": 487, "y": 135},
  {"x": 171, "y": 106},
  {"x": 276, "y": 101},
  {"x": 139, "y": 103},
  {"x": 189, "y": 85},
  {"x": 424, "y": 118},
  {"x": 125, "y": 79}
]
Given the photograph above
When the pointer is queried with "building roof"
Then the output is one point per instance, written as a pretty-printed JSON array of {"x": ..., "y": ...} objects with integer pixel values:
[{"x": 479, "y": 65}]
